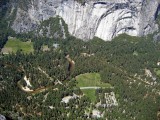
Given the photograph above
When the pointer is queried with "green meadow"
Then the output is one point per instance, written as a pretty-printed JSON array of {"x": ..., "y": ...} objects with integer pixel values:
[
  {"x": 13, "y": 45},
  {"x": 91, "y": 80}
]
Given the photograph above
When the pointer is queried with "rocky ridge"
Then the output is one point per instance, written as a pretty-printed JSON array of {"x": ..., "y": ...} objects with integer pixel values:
[{"x": 105, "y": 19}]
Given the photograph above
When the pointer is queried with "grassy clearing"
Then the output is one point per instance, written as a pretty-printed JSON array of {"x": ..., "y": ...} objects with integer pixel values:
[
  {"x": 15, "y": 44},
  {"x": 158, "y": 73},
  {"x": 91, "y": 79},
  {"x": 90, "y": 93}
]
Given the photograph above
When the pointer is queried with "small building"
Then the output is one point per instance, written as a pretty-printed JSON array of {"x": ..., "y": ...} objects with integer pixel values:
[
  {"x": 67, "y": 98},
  {"x": 55, "y": 45},
  {"x": 96, "y": 114},
  {"x": 158, "y": 63}
]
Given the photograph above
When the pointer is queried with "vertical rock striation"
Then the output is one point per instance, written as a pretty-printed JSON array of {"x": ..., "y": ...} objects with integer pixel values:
[{"x": 105, "y": 19}]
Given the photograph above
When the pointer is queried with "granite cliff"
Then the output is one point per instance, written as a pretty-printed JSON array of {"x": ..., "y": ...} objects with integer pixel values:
[{"x": 105, "y": 19}]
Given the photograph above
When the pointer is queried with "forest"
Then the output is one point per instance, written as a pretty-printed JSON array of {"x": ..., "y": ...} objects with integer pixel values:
[
  {"x": 42, "y": 84},
  {"x": 121, "y": 63}
]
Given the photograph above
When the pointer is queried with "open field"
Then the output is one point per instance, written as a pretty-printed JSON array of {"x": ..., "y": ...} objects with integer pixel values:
[
  {"x": 157, "y": 71},
  {"x": 90, "y": 93},
  {"x": 91, "y": 80},
  {"x": 14, "y": 44}
]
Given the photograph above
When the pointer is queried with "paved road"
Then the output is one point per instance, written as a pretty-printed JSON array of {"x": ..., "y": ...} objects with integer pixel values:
[{"x": 83, "y": 88}]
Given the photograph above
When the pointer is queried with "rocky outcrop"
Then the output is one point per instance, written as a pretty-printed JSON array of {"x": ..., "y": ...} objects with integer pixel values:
[
  {"x": 156, "y": 37},
  {"x": 2, "y": 117},
  {"x": 105, "y": 19}
]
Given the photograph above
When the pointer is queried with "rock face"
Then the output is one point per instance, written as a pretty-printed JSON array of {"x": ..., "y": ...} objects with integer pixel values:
[
  {"x": 2, "y": 117},
  {"x": 105, "y": 19}
]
